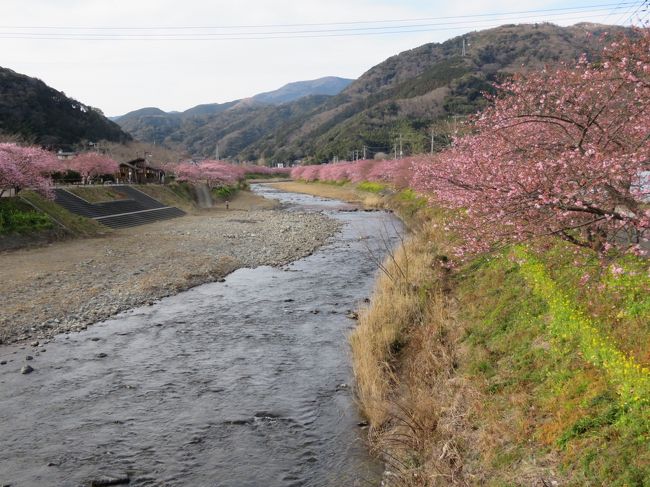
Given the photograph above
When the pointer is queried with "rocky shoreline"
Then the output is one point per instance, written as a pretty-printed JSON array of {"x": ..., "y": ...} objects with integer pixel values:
[{"x": 68, "y": 286}]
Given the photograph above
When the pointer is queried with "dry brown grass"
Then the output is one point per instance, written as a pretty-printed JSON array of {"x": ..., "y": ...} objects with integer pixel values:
[
  {"x": 373, "y": 201},
  {"x": 382, "y": 329},
  {"x": 405, "y": 356},
  {"x": 434, "y": 420}
]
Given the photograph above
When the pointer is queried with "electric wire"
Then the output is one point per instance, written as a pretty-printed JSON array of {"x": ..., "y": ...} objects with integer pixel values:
[
  {"x": 629, "y": 19},
  {"x": 577, "y": 8},
  {"x": 626, "y": 12},
  {"x": 322, "y": 33},
  {"x": 138, "y": 33}
]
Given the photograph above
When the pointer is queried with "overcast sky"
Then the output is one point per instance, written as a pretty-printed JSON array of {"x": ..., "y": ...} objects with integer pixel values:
[{"x": 105, "y": 54}]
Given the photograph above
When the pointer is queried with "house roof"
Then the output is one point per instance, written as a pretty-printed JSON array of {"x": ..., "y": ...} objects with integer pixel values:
[{"x": 137, "y": 164}]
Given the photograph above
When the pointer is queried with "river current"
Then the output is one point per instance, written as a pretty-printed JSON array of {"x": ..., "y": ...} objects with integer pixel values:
[{"x": 239, "y": 383}]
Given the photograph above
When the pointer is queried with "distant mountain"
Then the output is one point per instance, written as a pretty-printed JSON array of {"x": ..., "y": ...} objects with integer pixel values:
[
  {"x": 206, "y": 110},
  {"x": 42, "y": 115},
  {"x": 154, "y": 125},
  {"x": 405, "y": 97},
  {"x": 330, "y": 85}
]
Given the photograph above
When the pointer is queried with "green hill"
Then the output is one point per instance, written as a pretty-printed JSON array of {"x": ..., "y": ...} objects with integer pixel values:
[
  {"x": 216, "y": 120},
  {"x": 408, "y": 96},
  {"x": 425, "y": 88},
  {"x": 34, "y": 112}
]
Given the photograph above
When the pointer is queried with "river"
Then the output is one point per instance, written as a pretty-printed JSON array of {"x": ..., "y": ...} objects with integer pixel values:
[{"x": 240, "y": 383}]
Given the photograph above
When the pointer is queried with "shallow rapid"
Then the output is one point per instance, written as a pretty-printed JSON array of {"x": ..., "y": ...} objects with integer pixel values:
[{"x": 240, "y": 383}]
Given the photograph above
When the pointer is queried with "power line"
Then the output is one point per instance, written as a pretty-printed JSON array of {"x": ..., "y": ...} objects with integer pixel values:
[
  {"x": 643, "y": 2},
  {"x": 613, "y": 10},
  {"x": 317, "y": 31},
  {"x": 626, "y": 12},
  {"x": 576, "y": 9},
  {"x": 258, "y": 36},
  {"x": 645, "y": 18}
]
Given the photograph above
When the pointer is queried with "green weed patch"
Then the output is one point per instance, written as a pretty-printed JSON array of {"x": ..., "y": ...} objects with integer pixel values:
[
  {"x": 18, "y": 217},
  {"x": 537, "y": 348},
  {"x": 568, "y": 322},
  {"x": 371, "y": 187}
]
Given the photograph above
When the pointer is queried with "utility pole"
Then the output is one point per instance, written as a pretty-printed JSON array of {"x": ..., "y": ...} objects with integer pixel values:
[
  {"x": 395, "y": 150},
  {"x": 455, "y": 119},
  {"x": 364, "y": 152},
  {"x": 431, "y": 141},
  {"x": 401, "y": 152},
  {"x": 216, "y": 151}
]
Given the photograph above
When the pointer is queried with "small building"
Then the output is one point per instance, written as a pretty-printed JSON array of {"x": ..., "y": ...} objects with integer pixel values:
[
  {"x": 139, "y": 171},
  {"x": 64, "y": 156}
]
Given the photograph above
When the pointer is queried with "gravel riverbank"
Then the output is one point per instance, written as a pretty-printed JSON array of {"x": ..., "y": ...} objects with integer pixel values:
[{"x": 70, "y": 285}]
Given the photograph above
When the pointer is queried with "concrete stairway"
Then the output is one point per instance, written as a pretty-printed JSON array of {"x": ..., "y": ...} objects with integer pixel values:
[
  {"x": 138, "y": 209},
  {"x": 124, "y": 220}
]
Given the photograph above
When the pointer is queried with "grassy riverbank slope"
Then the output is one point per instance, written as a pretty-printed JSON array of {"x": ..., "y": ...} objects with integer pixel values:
[
  {"x": 29, "y": 219},
  {"x": 528, "y": 367}
]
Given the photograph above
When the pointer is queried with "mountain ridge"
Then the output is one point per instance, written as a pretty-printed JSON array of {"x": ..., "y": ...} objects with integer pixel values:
[
  {"x": 327, "y": 85},
  {"x": 405, "y": 97}
]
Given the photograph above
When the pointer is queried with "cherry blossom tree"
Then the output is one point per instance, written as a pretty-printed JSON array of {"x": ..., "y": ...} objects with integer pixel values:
[
  {"x": 26, "y": 167},
  {"x": 339, "y": 172},
  {"x": 559, "y": 152},
  {"x": 397, "y": 173},
  {"x": 306, "y": 173},
  {"x": 210, "y": 172},
  {"x": 92, "y": 164},
  {"x": 265, "y": 170},
  {"x": 357, "y": 171}
]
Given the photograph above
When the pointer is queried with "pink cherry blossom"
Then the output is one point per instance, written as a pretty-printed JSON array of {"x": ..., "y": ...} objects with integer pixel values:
[
  {"x": 26, "y": 167},
  {"x": 211, "y": 172},
  {"x": 92, "y": 164},
  {"x": 559, "y": 153}
]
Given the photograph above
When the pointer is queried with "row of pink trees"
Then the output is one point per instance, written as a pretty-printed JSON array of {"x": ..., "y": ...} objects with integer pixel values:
[
  {"x": 32, "y": 167},
  {"x": 221, "y": 173},
  {"x": 560, "y": 152},
  {"x": 251, "y": 169},
  {"x": 397, "y": 173},
  {"x": 210, "y": 172}
]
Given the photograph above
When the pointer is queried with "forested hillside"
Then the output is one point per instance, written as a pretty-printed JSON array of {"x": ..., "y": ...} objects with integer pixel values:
[
  {"x": 410, "y": 95},
  {"x": 244, "y": 122},
  {"x": 32, "y": 111}
]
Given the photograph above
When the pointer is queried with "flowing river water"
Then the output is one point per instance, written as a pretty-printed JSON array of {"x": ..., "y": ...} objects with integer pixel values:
[{"x": 240, "y": 383}]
